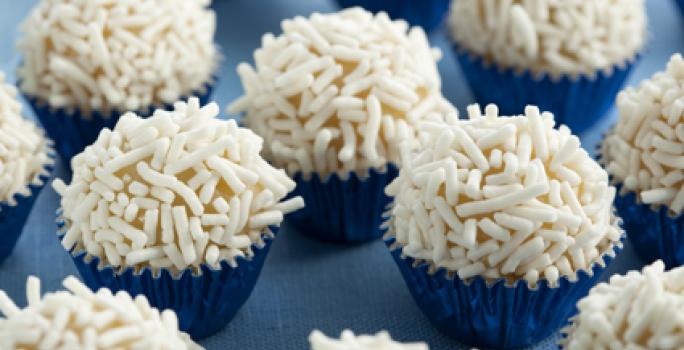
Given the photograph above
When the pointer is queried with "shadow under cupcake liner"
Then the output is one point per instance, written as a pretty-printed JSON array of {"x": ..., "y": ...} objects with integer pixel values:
[
  {"x": 578, "y": 103},
  {"x": 72, "y": 132},
  {"x": 428, "y": 14},
  {"x": 496, "y": 315},
  {"x": 13, "y": 218},
  {"x": 204, "y": 303},
  {"x": 655, "y": 234},
  {"x": 342, "y": 210}
]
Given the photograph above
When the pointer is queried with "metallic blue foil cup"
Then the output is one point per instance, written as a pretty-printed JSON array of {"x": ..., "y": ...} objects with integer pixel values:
[
  {"x": 205, "y": 302},
  {"x": 680, "y": 5},
  {"x": 495, "y": 314},
  {"x": 338, "y": 210},
  {"x": 428, "y": 14},
  {"x": 73, "y": 132},
  {"x": 13, "y": 217},
  {"x": 654, "y": 233},
  {"x": 577, "y": 102}
]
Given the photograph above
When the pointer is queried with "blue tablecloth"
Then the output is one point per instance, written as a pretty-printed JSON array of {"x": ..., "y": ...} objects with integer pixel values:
[{"x": 305, "y": 284}]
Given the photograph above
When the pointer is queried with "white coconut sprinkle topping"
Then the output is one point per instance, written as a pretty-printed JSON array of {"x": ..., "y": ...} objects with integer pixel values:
[
  {"x": 339, "y": 92},
  {"x": 24, "y": 150},
  {"x": 349, "y": 341},
  {"x": 80, "y": 319},
  {"x": 645, "y": 151},
  {"x": 639, "y": 310},
  {"x": 176, "y": 190},
  {"x": 551, "y": 36},
  {"x": 503, "y": 197},
  {"x": 116, "y": 55}
]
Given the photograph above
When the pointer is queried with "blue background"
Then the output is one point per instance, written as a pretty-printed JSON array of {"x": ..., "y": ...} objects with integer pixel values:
[{"x": 305, "y": 284}]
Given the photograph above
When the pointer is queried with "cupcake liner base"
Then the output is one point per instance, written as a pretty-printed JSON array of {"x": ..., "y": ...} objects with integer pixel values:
[
  {"x": 13, "y": 217},
  {"x": 72, "y": 132},
  {"x": 494, "y": 315},
  {"x": 655, "y": 234},
  {"x": 342, "y": 210},
  {"x": 578, "y": 103},
  {"x": 680, "y": 5},
  {"x": 428, "y": 14},
  {"x": 204, "y": 302}
]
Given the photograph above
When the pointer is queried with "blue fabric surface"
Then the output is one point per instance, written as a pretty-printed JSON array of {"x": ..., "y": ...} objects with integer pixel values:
[{"x": 305, "y": 284}]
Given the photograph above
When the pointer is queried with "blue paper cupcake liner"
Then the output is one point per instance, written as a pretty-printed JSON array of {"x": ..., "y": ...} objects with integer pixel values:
[
  {"x": 654, "y": 233},
  {"x": 204, "y": 302},
  {"x": 428, "y": 14},
  {"x": 72, "y": 132},
  {"x": 342, "y": 210},
  {"x": 578, "y": 103},
  {"x": 680, "y": 5},
  {"x": 13, "y": 217},
  {"x": 495, "y": 315}
]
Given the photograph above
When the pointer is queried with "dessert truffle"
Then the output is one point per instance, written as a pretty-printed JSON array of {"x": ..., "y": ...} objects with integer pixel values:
[
  {"x": 503, "y": 197},
  {"x": 80, "y": 319},
  {"x": 24, "y": 149},
  {"x": 339, "y": 92},
  {"x": 644, "y": 154},
  {"x": 158, "y": 204},
  {"x": 25, "y": 164},
  {"x": 568, "y": 57},
  {"x": 334, "y": 97},
  {"x": 124, "y": 56},
  {"x": 84, "y": 63},
  {"x": 176, "y": 190},
  {"x": 551, "y": 37},
  {"x": 638, "y": 310},
  {"x": 507, "y": 211}
]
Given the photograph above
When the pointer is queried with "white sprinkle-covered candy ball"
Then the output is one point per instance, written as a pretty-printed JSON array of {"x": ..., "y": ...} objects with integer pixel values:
[
  {"x": 339, "y": 93},
  {"x": 24, "y": 150},
  {"x": 503, "y": 197},
  {"x": 116, "y": 55},
  {"x": 80, "y": 319},
  {"x": 639, "y": 310},
  {"x": 645, "y": 151},
  {"x": 176, "y": 190},
  {"x": 551, "y": 36}
]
